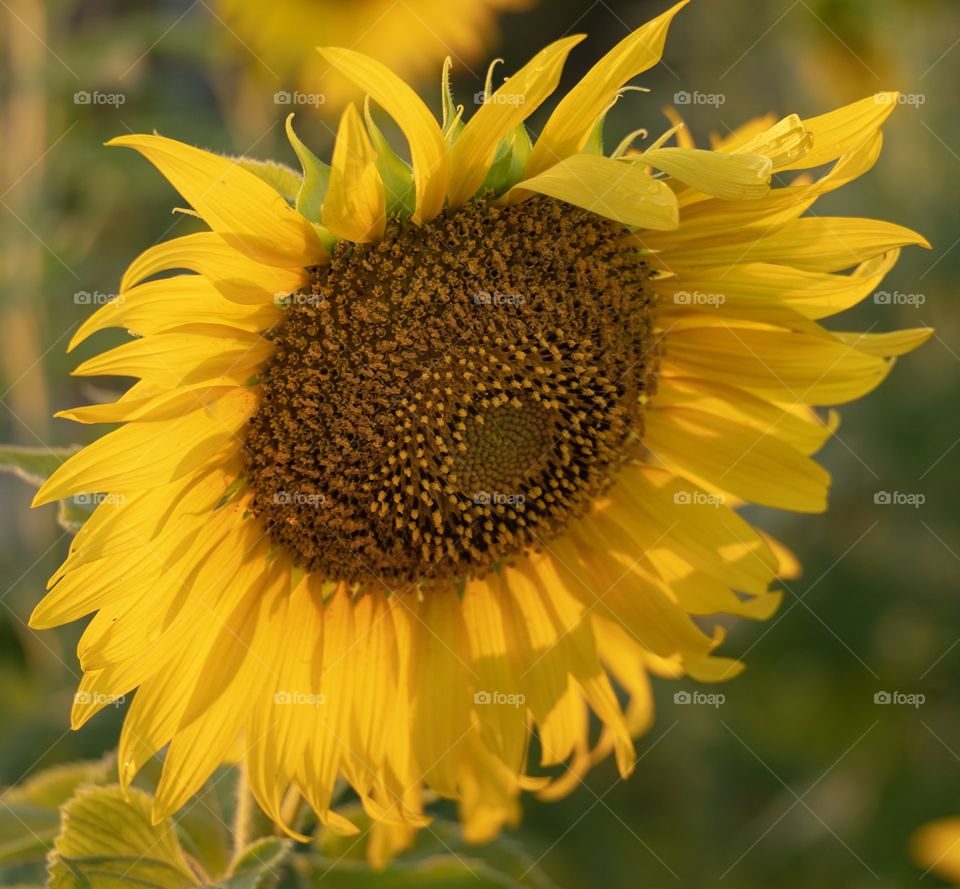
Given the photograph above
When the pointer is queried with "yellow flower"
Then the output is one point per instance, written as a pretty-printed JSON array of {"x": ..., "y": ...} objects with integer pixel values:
[
  {"x": 472, "y": 475},
  {"x": 412, "y": 37},
  {"x": 936, "y": 847}
]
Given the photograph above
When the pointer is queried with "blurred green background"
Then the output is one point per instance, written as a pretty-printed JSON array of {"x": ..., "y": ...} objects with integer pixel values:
[{"x": 800, "y": 778}]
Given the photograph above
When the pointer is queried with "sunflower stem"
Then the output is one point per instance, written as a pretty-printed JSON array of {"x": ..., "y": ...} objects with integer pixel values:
[{"x": 244, "y": 814}]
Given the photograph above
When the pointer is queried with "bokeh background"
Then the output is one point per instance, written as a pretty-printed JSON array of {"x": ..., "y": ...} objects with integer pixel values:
[{"x": 800, "y": 778}]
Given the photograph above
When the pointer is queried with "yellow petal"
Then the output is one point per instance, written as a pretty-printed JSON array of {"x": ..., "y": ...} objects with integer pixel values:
[
  {"x": 782, "y": 365},
  {"x": 618, "y": 190},
  {"x": 187, "y": 354},
  {"x": 569, "y": 127},
  {"x": 732, "y": 177},
  {"x": 171, "y": 302},
  {"x": 508, "y": 107},
  {"x": 840, "y": 131},
  {"x": 886, "y": 345},
  {"x": 354, "y": 208},
  {"x": 142, "y": 455},
  {"x": 771, "y": 293},
  {"x": 237, "y": 277},
  {"x": 246, "y": 212},
  {"x": 736, "y": 459},
  {"x": 428, "y": 150},
  {"x": 814, "y": 243},
  {"x": 785, "y": 142}
]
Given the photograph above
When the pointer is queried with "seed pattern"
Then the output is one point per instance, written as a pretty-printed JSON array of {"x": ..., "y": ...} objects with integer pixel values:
[{"x": 453, "y": 395}]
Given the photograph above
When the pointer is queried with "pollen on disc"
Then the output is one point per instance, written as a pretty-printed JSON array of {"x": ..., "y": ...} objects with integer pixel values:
[{"x": 453, "y": 395}]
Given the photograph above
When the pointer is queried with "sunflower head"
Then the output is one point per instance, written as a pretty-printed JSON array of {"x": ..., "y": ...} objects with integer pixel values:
[{"x": 455, "y": 447}]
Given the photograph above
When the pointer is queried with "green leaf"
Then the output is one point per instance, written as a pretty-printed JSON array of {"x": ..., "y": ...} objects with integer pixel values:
[
  {"x": 258, "y": 864},
  {"x": 316, "y": 177},
  {"x": 33, "y": 465},
  {"x": 441, "y": 871},
  {"x": 29, "y": 814},
  {"x": 279, "y": 177},
  {"x": 202, "y": 827},
  {"x": 108, "y": 842},
  {"x": 439, "y": 857},
  {"x": 26, "y": 833},
  {"x": 52, "y": 787}
]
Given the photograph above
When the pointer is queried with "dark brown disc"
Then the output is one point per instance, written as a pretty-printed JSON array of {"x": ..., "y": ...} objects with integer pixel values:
[{"x": 452, "y": 395}]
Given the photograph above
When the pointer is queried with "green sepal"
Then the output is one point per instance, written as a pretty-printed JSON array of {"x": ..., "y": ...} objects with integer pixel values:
[
  {"x": 396, "y": 174},
  {"x": 452, "y": 113},
  {"x": 281, "y": 178},
  {"x": 594, "y": 143},
  {"x": 316, "y": 177},
  {"x": 509, "y": 162}
]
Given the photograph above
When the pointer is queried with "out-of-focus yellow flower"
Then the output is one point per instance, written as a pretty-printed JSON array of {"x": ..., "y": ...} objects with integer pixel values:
[
  {"x": 411, "y": 37},
  {"x": 936, "y": 846},
  {"x": 429, "y": 460}
]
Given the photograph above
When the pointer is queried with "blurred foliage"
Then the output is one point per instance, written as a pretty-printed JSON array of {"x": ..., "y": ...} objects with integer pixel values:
[{"x": 799, "y": 778}]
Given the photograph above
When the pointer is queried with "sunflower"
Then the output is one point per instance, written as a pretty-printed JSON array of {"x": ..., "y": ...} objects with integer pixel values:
[
  {"x": 428, "y": 469},
  {"x": 411, "y": 37},
  {"x": 936, "y": 847}
]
